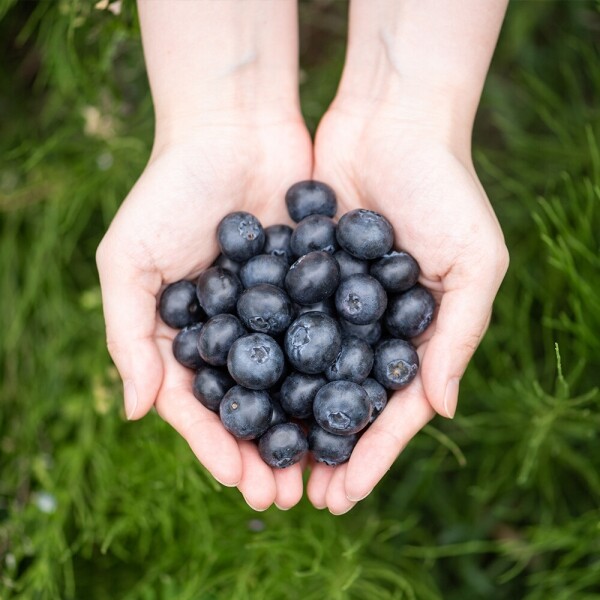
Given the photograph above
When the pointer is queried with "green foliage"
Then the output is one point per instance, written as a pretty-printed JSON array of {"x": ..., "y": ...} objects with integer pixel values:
[{"x": 501, "y": 503}]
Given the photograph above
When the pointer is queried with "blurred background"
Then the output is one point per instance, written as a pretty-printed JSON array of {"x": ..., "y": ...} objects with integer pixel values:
[{"x": 501, "y": 503}]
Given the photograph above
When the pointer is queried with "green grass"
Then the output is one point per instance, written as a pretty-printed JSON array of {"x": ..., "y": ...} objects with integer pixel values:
[{"x": 501, "y": 503}]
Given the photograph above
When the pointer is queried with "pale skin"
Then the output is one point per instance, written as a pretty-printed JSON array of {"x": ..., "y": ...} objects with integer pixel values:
[{"x": 230, "y": 136}]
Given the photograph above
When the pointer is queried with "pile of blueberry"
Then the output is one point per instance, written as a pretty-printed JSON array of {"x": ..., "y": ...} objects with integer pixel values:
[{"x": 296, "y": 335}]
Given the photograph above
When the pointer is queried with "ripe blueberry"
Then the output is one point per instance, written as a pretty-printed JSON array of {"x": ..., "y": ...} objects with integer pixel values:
[
  {"x": 277, "y": 242},
  {"x": 278, "y": 415},
  {"x": 342, "y": 407},
  {"x": 353, "y": 363},
  {"x": 298, "y": 393},
  {"x": 396, "y": 364},
  {"x": 365, "y": 234},
  {"x": 396, "y": 271},
  {"x": 264, "y": 268},
  {"x": 409, "y": 314},
  {"x": 255, "y": 361},
  {"x": 178, "y": 305},
  {"x": 326, "y": 306},
  {"x": 240, "y": 236},
  {"x": 349, "y": 265},
  {"x": 226, "y": 263},
  {"x": 377, "y": 397},
  {"x": 265, "y": 308},
  {"x": 310, "y": 198},
  {"x": 185, "y": 346},
  {"x": 246, "y": 414},
  {"x": 371, "y": 333},
  {"x": 315, "y": 232},
  {"x": 283, "y": 445},
  {"x": 360, "y": 299},
  {"x": 218, "y": 290},
  {"x": 217, "y": 336},
  {"x": 312, "y": 278},
  {"x": 210, "y": 385},
  {"x": 329, "y": 448}
]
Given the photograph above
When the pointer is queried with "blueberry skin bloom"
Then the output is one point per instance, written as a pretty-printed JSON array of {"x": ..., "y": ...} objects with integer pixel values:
[
  {"x": 349, "y": 265},
  {"x": 278, "y": 415},
  {"x": 365, "y": 234},
  {"x": 218, "y": 290},
  {"x": 409, "y": 314},
  {"x": 342, "y": 407},
  {"x": 353, "y": 363},
  {"x": 255, "y": 361},
  {"x": 326, "y": 306},
  {"x": 226, "y": 263},
  {"x": 312, "y": 278},
  {"x": 396, "y": 364},
  {"x": 178, "y": 305},
  {"x": 210, "y": 385},
  {"x": 310, "y": 198},
  {"x": 377, "y": 397},
  {"x": 329, "y": 448},
  {"x": 283, "y": 445},
  {"x": 360, "y": 299},
  {"x": 185, "y": 347},
  {"x": 396, "y": 271},
  {"x": 240, "y": 236},
  {"x": 312, "y": 342},
  {"x": 246, "y": 414},
  {"x": 277, "y": 242},
  {"x": 265, "y": 308},
  {"x": 216, "y": 338},
  {"x": 298, "y": 394},
  {"x": 264, "y": 268},
  {"x": 371, "y": 333},
  {"x": 315, "y": 232}
]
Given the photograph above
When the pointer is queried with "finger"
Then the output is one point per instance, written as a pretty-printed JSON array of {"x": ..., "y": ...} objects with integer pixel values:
[
  {"x": 336, "y": 498},
  {"x": 288, "y": 483},
  {"x": 319, "y": 479},
  {"x": 129, "y": 304},
  {"x": 258, "y": 483}
]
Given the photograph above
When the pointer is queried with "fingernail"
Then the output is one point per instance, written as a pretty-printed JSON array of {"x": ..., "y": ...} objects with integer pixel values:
[
  {"x": 280, "y": 507},
  {"x": 451, "y": 397},
  {"x": 131, "y": 399},
  {"x": 352, "y": 499},
  {"x": 254, "y": 507},
  {"x": 229, "y": 485},
  {"x": 342, "y": 512}
]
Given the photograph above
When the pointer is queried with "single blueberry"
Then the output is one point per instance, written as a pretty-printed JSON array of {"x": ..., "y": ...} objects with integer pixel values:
[
  {"x": 360, "y": 299},
  {"x": 312, "y": 342},
  {"x": 264, "y": 268},
  {"x": 409, "y": 314},
  {"x": 185, "y": 347},
  {"x": 365, "y": 234},
  {"x": 218, "y": 290},
  {"x": 310, "y": 198},
  {"x": 246, "y": 414},
  {"x": 315, "y": 232},
  {"x": 326, "y": 306},
  {"x": 396, "y": 364},
  {"x": 329, "y": 448},
  {"x": 240, "y": 236},
  {"x": 377, "y": 397},
  {"x": 265, "y": 308},
  {"x": 217, "y": 336},
  {"x": 396, "y": 271},
  {"x": 283, "y": 445},
  {"x": 178, "y": 305},
  {"x": 278, "y": 415},
  {"x": 255, "y": 361},
  {"x": 277, "y": 242},
  {"x": 342, "y": 407},
  {"x": 298, "y": 393},
  {"x": 226, "y": 263},
  {"x": 353, "y": 363},
  {"x": 349, "y": 265},
  {"x": 371, "y": 333},
  {"x": 312, "y": 278},
  {"x": 210, "y": 385}
]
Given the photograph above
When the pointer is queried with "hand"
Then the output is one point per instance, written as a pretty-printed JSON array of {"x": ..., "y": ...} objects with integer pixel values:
[
  {"x": 166, "y": 231},
  {"x": 426, "y": 185}
]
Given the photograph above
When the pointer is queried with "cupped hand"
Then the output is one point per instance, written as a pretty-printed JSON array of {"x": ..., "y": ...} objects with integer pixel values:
[
  {"x": 425, "y": 183},
  {"x": 165, "y": 231}
]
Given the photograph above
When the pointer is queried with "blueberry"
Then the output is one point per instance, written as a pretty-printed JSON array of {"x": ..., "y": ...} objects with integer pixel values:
[
  {"x": 210, "y": 385},
  {"x": 246, "y": 414},
  {"x": 360, "y": 299},
  {"x": 178, "y": 305},
  {"x": 353, "y": 363},
  {"x": 277, "y": 242},
  {"x": 365, "y": 234},
  {"x": 329, "y": 448},
  {"x": 185, "y": 347},
  {"x": 371, "y": 333},
  {"x": 278, "y": 415},
  {"x": 396, "y": 364},
  {"x": 218, "y": 290},
  {"x": 255, "y": 361},
  {"x": 410, "y": 313},
  {"x": 377, "y": 397},
  {"x": 264, "y": 268},
  {"x": 349, "y": 265},
  {"x": 240, "y": 236},
  {"x": 312, "y": 278},
  {"x": 396, "y": 271},
  {"x": 310, "y": 198},
  {"x": 342, "y": 407},
  {"x": 326, "y": 306},
  {"x": 226, "y": 263},
  {"x": 217, "y": 336},
  {"x": 265, "y": 308},
  {"x": 315, "y": 232},
  {"x": 312, "y": 342},
  {"x": 298, "y": 393},
  {"x": 283, "y": 445}
]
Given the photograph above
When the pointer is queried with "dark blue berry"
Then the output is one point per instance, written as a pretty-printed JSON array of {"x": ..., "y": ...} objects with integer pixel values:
[
  {"x": 329, "y": 448},
  {"x": 312, "y": 342},
  {"x": 342, "y": 407},
  {"x": 255, "y": 361},
  {"x": 315, "y": 232},
  {"x": 265, "y": 308},
  {"x": 240, "y": 236},
  {"x": 278, "y": 415},
  {"x": 312, "y": 278},
  {"x": 277, "y": 242},
  {"x": 217, "y": 336},
  {"x": 360, "y": 299},
  {"x": 218, "y": 290},
  {"x": 283, "y": 445},
  {"x": 226, "y": 263},
  {"x": 246, "y": 414},
  {"x": 185, "y": 347},
  {"x": 310, "y": 198},
  {"x": 396, "y": 364},
  {"x": 326, "y": 306},
  {"x": 377, "y": 396},
  {"x": 409, "y": 314},
  {"x": 371, "y": 333},
  {"x": 178, "y": 305},
  {"x": 396, "y": 271},
  {"x": 365, "y": 234},
  {"x": 210, "y": 385},
  {"x": 298, "y": 393},
  {"x": 264, "y": 268},
  {"x": 349, "y": 265},
  {"x": 353, "y": 363}
]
